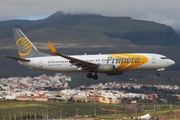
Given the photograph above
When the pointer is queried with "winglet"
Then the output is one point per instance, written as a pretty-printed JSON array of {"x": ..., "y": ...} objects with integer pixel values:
[{"x": 53, "y": 50}]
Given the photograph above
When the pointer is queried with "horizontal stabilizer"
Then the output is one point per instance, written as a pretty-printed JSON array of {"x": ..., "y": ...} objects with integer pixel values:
[{"x": 18, "y": 59}]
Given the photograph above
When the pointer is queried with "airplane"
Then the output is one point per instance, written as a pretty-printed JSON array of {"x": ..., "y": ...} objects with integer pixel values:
[{"x": 110, "y": 64}]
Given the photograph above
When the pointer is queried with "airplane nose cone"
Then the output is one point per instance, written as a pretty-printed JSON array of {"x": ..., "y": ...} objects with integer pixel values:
[{"x": 171, "y": 62}]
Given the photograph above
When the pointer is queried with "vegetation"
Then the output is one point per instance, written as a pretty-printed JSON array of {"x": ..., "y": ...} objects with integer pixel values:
[
  {"x": 31, "y": 109},
  {"x": 53, "y": 109}
]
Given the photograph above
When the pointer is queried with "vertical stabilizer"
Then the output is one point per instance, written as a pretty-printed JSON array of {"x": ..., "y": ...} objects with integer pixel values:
[{"x": 25, "y": 48}]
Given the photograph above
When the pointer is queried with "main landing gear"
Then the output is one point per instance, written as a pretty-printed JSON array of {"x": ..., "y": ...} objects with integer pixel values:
[{"x": 95, "y": 77}]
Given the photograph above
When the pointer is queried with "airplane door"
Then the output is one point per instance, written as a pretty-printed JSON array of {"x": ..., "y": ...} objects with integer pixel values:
[
  {"x": 153, "y": 59},
  {"x": 40, "y": 63}
]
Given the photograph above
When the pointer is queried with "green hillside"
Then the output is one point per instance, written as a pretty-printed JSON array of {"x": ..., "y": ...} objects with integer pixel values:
[
  {"x": 69, "y": 28},
  {"x": 17, "y": 110}
]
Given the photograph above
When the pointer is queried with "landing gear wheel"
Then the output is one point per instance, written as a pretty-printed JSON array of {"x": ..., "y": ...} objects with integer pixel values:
[
  {"x": 89, "y": 75},
  {"x": 157, "y": 74},
  {"x": 95, "y": 77}
]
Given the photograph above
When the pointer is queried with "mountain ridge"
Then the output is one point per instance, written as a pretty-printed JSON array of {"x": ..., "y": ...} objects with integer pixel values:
[{"x": 138, "y": 31}]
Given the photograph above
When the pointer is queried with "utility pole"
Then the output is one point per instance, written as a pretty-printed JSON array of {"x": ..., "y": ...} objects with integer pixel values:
[
  {"x": 9, "y": 117},
  {"x": 95, "y": 111},
  {"x": 21, "y": 116},
  {"x": 76, "y": 111},
  {"x": 35, "y": 115},
  {"x": 171, "y": 106},
  {"x": 47, "y": 115},
  {"x": 136, "y": 109},
  {"x": 115, "y": 110},
  {"x": 26, "y": 116},
  {"x": 60, "y": 114},
  {"x": 15, "y": 116}
]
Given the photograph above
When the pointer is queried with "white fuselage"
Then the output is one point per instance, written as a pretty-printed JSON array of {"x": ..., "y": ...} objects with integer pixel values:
[{"x": 122, "y": 62}]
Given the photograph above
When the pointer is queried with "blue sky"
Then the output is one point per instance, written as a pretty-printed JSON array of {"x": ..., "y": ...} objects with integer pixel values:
[{"x": 161, "y": 11}]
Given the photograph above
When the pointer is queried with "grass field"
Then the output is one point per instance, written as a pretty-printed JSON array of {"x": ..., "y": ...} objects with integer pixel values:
[{"x": 55, "y": 110}]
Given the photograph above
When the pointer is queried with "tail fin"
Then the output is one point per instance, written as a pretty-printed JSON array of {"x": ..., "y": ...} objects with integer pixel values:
[{"x": 25, "y": 48}]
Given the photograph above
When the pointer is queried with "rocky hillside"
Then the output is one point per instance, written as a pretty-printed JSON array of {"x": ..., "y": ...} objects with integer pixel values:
[{"x": 62, "y": 27}]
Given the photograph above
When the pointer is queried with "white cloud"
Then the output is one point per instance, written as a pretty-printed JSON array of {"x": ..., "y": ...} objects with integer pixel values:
[{"x": 162, "y": 11}]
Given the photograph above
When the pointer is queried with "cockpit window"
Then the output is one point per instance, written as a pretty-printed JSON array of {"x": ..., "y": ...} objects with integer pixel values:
[{"x": 163, "y": 58}]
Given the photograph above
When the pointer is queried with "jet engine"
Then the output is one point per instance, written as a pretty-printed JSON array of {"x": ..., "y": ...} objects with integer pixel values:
[{"x": 106, "y": 68}]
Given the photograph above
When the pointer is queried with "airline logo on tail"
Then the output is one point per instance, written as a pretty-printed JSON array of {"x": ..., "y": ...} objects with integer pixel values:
[{"x": 24, "y": 46}]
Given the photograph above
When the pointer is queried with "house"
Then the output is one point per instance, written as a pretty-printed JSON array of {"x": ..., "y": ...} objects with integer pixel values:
[
  {"x": 32, "y": 98},
  {"x": 108, "y": 100}
]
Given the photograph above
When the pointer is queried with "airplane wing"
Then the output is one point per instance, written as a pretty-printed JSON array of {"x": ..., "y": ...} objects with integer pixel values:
[{"x": 84, "y": 65}]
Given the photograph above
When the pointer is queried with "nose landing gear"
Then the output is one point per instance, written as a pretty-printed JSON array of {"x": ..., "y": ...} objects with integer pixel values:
[
  {"x": 159, "y": 70},
  {"x": 157, "y": 73}
]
